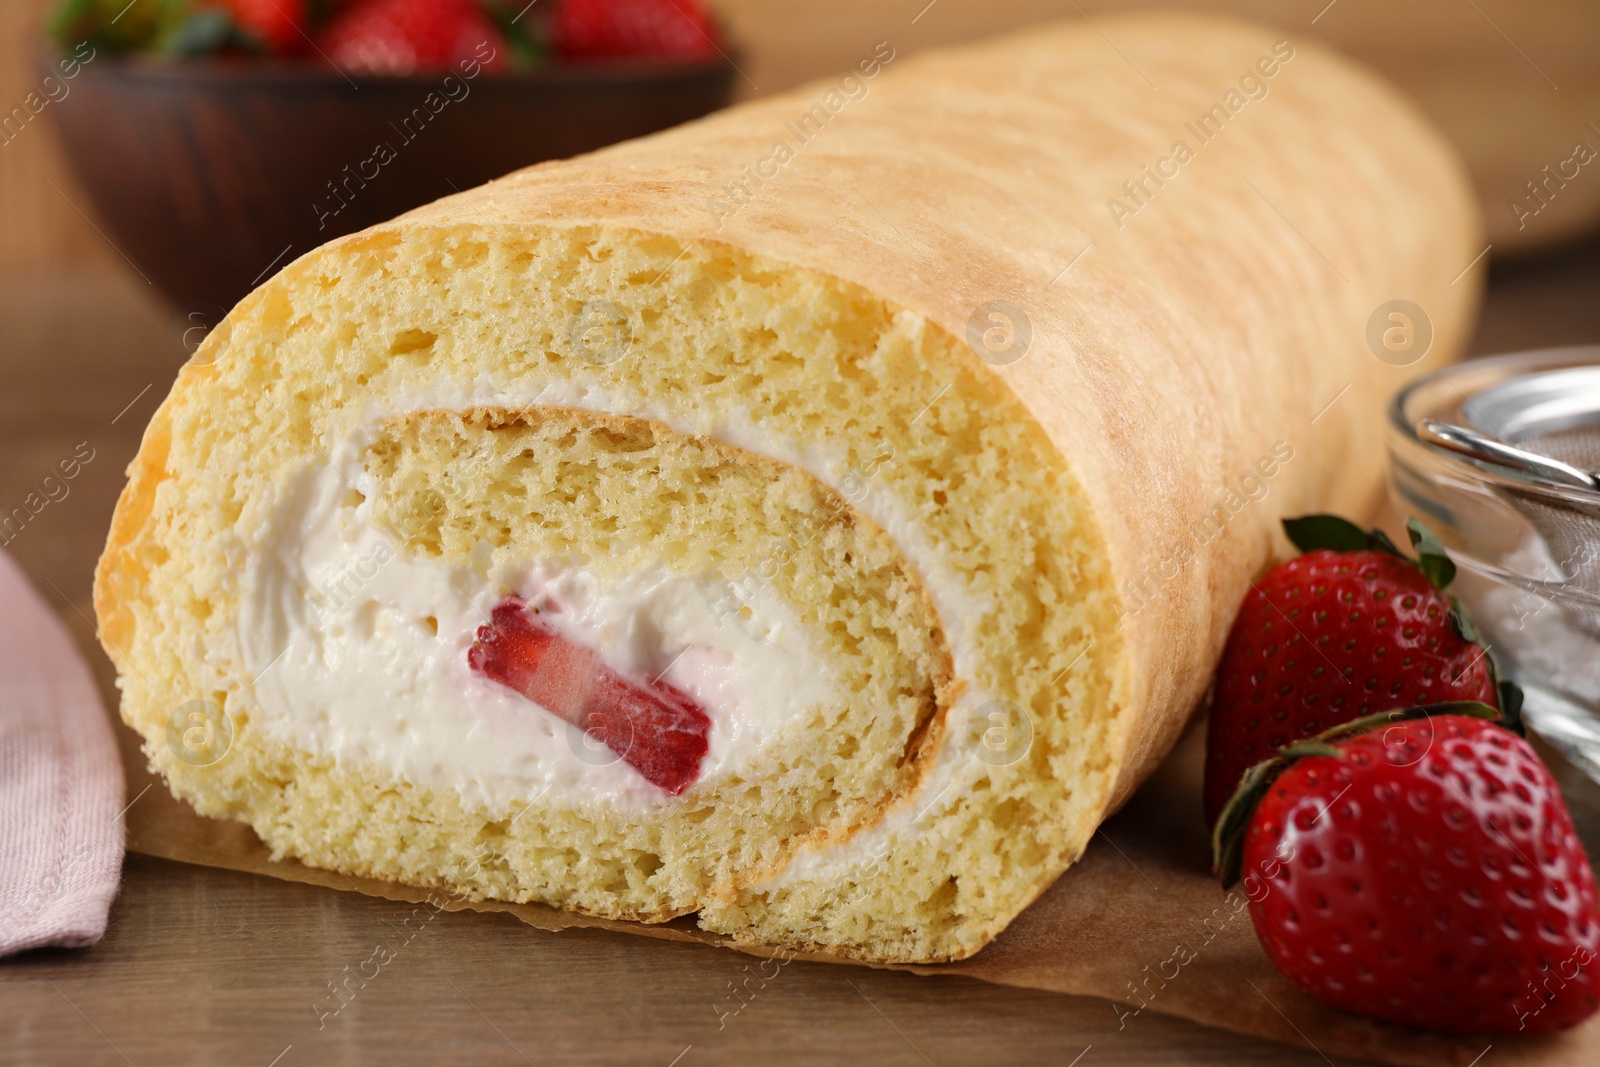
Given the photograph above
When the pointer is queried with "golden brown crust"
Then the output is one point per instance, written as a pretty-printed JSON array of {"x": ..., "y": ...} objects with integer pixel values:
[
  {"x": 1218, "y": 319},
  {"x": 118, "y": 574},
  {"x": 1174, "y": 344}
]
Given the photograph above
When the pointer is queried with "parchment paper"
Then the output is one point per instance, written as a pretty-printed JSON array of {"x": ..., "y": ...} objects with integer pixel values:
[{"x": 1139, "y": 920}]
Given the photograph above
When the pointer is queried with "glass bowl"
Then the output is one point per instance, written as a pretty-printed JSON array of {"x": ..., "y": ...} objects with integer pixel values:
[{"x": 1524, "y": 534}]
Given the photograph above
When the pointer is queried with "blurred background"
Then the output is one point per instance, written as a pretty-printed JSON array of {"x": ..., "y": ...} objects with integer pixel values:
[
  {"x": 139, "y": 195},
  {"x": 142, "y": 191},
  {"x": 1515, "y": 84}
]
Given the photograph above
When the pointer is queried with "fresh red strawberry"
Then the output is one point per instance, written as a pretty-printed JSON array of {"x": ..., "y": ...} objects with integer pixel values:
[
  {"x": 1420, "y": 867},
  {"x": 640, "y": 29},
  {"x": 657, "y": 729},
  {"x": 1349, "y": 628},
  {"x": 401, "y": 36},
  {"x": 279, "y": 25}
]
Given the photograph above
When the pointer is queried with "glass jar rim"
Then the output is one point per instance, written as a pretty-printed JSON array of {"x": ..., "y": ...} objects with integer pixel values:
[{"x": 1466, "y": 380}]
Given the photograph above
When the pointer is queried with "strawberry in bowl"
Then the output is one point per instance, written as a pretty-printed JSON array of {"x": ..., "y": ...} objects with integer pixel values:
[
  {"x": 402, "y": 36},
  {"x": 277, "y": 26},
  {"x": 399, "y": 36},
  {"x": 287, "y": 123},
  {"x": 633, "y": 29}
]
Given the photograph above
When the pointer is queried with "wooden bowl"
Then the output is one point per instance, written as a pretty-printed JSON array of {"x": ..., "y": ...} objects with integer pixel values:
[{"x": 209, "y": 175}]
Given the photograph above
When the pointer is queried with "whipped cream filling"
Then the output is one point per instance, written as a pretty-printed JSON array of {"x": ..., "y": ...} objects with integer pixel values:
[
  {"x": 954, "y": 767},
  {"x": 359, "y": 652}
]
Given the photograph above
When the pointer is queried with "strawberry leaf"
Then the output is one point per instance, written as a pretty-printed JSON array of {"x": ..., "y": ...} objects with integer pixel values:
[
  {"x": 1431, "y": 556},
  {"x": 1510, "y": 702},
  {"x": 201, "y": 33},
  {"x": 1377, "y": 539},
  {"x": 1507, "y": 692},
  {"x": 1227, "y": 838},
  {"x": 525, "y": 38},
  {"x": 69, "y": 19},
  {"x": 1309, "y": 532},
  {"x": 112, "y": 25},
  {"x": 1462, "y": 623}
]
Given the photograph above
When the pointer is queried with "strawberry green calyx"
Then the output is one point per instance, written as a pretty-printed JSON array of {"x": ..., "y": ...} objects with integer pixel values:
[
  {"x": 1310, "y": 532},
  {"x": 1227, "y": 837},
  {"x": 1431, "y": 556},
  {"x": 1510, "y": 701},
  {"x": 1441, "y": 571}
]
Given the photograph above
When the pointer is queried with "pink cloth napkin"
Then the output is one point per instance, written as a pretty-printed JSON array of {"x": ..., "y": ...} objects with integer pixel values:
[{"x": 61, "y": 791}]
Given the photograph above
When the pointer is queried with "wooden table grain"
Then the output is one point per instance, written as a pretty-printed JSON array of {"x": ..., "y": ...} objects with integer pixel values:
[{"x": 214, "y": 967}]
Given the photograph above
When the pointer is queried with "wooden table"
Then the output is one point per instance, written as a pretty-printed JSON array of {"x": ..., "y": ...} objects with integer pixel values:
[{"x": 206, "y": 966}]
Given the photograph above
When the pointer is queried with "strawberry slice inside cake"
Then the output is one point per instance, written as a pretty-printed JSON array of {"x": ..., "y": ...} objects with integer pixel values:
[
  {"x": 630, "y": 666},
  {"x": 657, "y": 730}
]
